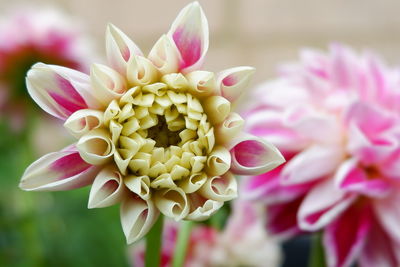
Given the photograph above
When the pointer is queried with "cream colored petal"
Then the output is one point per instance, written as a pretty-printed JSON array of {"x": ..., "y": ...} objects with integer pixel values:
[
  {"x": 119, "y": 48},
  {"x": 229, "y": 128},
  {"x": 122, "y": 159},
  {"x": 202, "y": 208},
  {"x": 128, "y": 97},
  {"x": 158, "y": 89},
  {"x": 175, "y": 81},
  {"x": 217, "y": 108},
  {"x": 197, "y": 163},
  {"x": 107, "y": 83},
  {"x": 234, "y": 81},
  {"x": 139, "y": 185},
  {"x": 202, "y": 83},
  {"x": 115, "y": 130},
  {"x": 193, "y": 183},
  {"x": 140, "y": 71},
  {"x": 172, "y": 203},
  {"x": 96, "y": 147},
  {"x": 165, "y": 55},
  {"x": 107, "y": 188},
  {"x": 252, "y": 155},
  {"x": 137, "y": 217},
  {"x": 220, "y": 188},
  {"x": 219, "y": 161},
  {"x": 83, "y": 121},
  {"x": 112, "y": 112},
  {"x": 163, "y": 181}
]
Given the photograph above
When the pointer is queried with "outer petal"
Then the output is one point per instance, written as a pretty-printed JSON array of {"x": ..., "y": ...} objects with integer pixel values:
[
  {"x": 322, "y": 205},
  {"x": 58, "y": 171},
  {"x": 83, "y": 121},
  {"x": 233, "y": 81},
  {"x": 108, "y": 188},
  {"x": 229, "y": 128},
  {"x": 59, "y": 91},
  {"x": 344, "y": 238},
  {"x": 190, "y": 34},
  {"x": 313, "y": 163},
  {"x": 119, "y": 48},
  {"x": 252, "y": 155},
  {"x": 137, "y": 217},
  {"x": 165, "y": 55}
]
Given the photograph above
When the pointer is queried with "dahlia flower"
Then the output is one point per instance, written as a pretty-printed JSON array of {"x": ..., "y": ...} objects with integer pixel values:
[
  {"x": 155, "y": 133},
  {"x": 34, "y": 35},
  {"x": 336, "y": 118},
  {"x": 243, "y": 242}
]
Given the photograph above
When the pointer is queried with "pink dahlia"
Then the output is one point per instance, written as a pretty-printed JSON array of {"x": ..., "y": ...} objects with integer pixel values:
[
  {"x": 243, "y": 242},
  {"x": 156, "y": 134},
  {"x": 30, "y": 35},
  {"x": 336, "y": 119}
]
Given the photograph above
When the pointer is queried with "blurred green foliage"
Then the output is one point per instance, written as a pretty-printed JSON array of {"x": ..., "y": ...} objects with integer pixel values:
[{"x": 51, "y": 228}]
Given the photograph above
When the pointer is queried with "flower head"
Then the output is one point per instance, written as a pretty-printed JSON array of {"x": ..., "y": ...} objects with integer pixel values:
[
  {"x": 336, "y": 118},
  {"x": 243, "y": 242},
  {"x": 154, "y": 133},
  {"x": 33, "y": 35}
]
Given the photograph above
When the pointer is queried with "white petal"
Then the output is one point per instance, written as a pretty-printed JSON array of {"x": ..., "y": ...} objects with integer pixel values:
[
  {"x": 234, "y": 81},
  {"x": 220, "y": 188},
  {"x": 83, "y": 121},
  {"x": 96, "y": 147},
  {"x": 172, "y": 203},
  {"x": 165, "y": 55}
]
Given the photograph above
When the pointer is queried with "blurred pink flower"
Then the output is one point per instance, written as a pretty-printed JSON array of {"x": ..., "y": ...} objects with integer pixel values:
[
  {"x": 243, "y": 242},
  {"x": 33, "y": 35},
  {"x": 336, "y": 119}
]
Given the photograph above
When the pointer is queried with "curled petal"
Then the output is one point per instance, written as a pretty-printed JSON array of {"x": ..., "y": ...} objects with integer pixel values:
[
  {"x": 202, "y": 208},
  {"x": 96, "y": 147},
  {"x": 172, "y": 203},
  {"x": 58, "y": 171},
  {"x": 193, "y": 182},
  {"x": 217, "y": 108},
  {"x": 137, "y": 217},
  {"x": 107, "y": 83},
  {"x": 140, "y": 71},
  {"x": 322, "y": 205},
  {"x": 219, "y": 161},
  {"x": 311, "y": 164},
  {"x": 175, "y": 81},
  {"x": 108, "y": 188},
  {"x": 190, "y": 34},
  {"x": 59, "y": 91},
  {"x": 229, "y": 128},
  {"x": 139, "y": 185},
  {"x": 220, "y": 188},
  {"x": 233, "y": 81},
  {"x": 165, "y": 55},
  {"x": 83, "y": 121},
  {"x": 202, "y": 83},
  {"x": 119, "y": 48},
  {"x": 252, "y": 155}
]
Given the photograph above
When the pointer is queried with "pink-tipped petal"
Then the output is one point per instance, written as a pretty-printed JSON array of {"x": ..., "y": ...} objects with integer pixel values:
[
  {"x": 119, "y": 48},
  {"x": 352, "y": 178},
  {"x": 311, "y": 164},
  {"x": 59, "y": 91},
  {"x": 233, "y": 81},
  {"x": 282, "y": 220},
  {"x": 345, "y": 237},
  {"x": 57, "y": 171},
  {"x": 252, "y": 155},
  {"x": 322, "y": 205},
  {"x": 190, "y": 34}
]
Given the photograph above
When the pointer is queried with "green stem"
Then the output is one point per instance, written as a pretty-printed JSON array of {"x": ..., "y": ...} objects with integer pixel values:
[
  {"x": 182, "y": 243},
  {"x": 317, "y": 257},
  {"x": 154, "y": 244}
]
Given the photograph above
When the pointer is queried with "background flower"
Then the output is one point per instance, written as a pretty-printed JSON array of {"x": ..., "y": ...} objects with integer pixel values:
[
  {"x": 33, "y": 34},
  {"x": 336, "y": 119},
  {"x": 243, "y": 242}
]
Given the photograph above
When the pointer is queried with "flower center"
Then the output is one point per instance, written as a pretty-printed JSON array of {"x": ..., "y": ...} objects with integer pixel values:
[{"x": 159, "y": 132}]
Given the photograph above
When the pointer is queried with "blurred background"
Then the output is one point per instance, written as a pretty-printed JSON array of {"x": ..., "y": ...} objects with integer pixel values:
[{"x": 48, "y": 229}]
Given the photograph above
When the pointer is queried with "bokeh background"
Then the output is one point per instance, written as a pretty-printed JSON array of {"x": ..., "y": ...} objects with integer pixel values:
[{"x": 56, "y": 229}]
